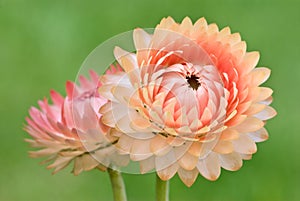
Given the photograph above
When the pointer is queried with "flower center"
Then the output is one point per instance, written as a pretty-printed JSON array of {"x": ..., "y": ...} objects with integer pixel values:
[{"x": 193, "y": 81}]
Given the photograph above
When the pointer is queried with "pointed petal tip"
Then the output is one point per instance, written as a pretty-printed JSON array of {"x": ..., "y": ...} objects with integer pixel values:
[
  {"x": 186, "y": 19},
  {"x": 119, "y": 53}
]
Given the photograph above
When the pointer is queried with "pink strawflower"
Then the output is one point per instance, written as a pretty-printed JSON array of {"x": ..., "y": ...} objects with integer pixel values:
[
  {"x": 188, "y": 101},
  {"x": 69, "y": 129}
]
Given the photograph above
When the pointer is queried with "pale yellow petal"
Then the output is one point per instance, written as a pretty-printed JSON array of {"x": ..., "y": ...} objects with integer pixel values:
[
  {"x": 167, "y": 173},
  {"x": 195, "y": 149},
  {"x": 229, "y": 134},
  {"x": 140, "y": 150},
  {"x": 255, "y": 108},
  {"x": 188, "y": 177},
  {"x": 250, "y": 124},
  {"x": 223, "y": 147},
  {"x": 147, "y": 165},
  {"x": 246, "y": 156},
  {"x": 249, "y": 62},
  {"x": 60, "y": 162},
  {"x": 127, "y": 60},
  {"x": 141, "y": 39},
  {"x": 223, "y": 34},
  {"x": 89, "y": 162},
  {"x": 159, "y": 146},
  {"x": 259, "y": 75},
  {"x": 209, "y": 167},
  {"x": 164, "y": 161},
  {"x": 186, "y": 25},
  {"x": 188, "y": 161},
  {"x": 200, "y": 24},
  {"x": 234, "y": 38},
  {"x": 266, "y": 114},
  {"x": 232, "y": 161},
  {"x": 212, "y": 29},
  {"x": 124, "y": 143},
  {"x": 264, "y": 93},
  {"x": 259, "y": 136},
  {"x": 166, "y": 23},
  {"x": 244, "y": 145}
]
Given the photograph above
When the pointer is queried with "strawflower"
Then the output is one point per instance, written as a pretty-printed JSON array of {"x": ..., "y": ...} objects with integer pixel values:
[
  {"x": 188, "y": 101},
  {"x": 69, "y": 129}
]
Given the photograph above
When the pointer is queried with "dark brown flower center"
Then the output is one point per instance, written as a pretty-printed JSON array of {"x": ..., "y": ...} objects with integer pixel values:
[{"x": 193, "y": 81}]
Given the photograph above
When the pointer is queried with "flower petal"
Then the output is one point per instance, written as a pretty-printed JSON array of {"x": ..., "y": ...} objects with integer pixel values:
[
  {"x": 188, "y": 176},
  {"x": 167, "y": 173},
  {"x": 232, "y": 161},
  {"x": 188, "y": 161},
  {"x": 259, "y": 75},
  {"x": 244, "y": 145},
  {"x": 209, "y": 167},
  {"x": 259, "y": 136},
  {"x": 250, "y": 124}
]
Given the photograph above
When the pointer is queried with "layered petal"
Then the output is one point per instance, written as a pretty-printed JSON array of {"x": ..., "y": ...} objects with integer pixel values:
[
  {"x": 69, "y": 129},
  {"x": 189, "y": 100}
]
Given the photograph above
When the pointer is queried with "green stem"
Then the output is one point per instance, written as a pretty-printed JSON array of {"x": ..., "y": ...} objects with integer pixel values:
[
  {"x": 162, "y": 189},
  {"x": 117, "y": 185}
]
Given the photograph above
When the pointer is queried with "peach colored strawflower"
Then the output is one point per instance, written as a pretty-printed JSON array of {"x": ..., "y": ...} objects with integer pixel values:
[
  {"x": 188, "y": 101},
  {"x": 69, "y": 129}
]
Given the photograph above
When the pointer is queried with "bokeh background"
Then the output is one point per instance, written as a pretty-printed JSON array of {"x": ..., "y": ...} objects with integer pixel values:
[{"x": 43, "y": 44}]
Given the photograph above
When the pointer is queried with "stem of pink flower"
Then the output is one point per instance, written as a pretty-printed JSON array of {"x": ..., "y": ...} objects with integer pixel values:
[
  {"x": 117, "y": 185},
  {"x": 162, "y": 189}
]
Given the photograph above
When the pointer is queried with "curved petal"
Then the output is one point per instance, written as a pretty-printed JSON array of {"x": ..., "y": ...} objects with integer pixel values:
[{"x": 210, "y": 166}]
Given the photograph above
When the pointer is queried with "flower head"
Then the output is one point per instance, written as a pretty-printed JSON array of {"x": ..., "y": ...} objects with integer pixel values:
[
  {"x": 188, "y": 101},
  {"x": 69, "y": 129}
]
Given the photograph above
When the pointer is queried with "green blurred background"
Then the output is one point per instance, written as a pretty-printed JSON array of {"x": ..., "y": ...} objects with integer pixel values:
[{"x": 43, "y": 43}]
